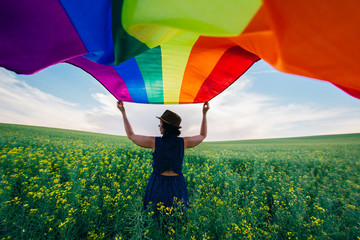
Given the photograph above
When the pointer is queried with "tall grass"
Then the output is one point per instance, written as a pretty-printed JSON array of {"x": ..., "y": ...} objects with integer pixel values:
[{"x": 60, "y": 184}]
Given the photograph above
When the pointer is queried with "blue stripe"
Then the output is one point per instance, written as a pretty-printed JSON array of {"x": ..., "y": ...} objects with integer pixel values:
[
  {"x": 130, "y": 73},
  {"x": 89, "y": 18}
]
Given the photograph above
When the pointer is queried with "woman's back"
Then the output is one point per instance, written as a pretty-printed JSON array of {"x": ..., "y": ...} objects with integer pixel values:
[{"x": 168, "y": 154}]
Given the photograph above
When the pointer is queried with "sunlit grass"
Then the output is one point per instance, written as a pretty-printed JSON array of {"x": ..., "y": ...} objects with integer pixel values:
[{"x": 60, "y": 184}]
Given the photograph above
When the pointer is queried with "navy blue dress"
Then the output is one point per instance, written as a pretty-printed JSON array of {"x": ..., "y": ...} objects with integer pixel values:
[{"x": 168, "y": 155}]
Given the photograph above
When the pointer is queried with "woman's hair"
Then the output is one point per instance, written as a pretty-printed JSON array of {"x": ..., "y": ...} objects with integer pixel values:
[{"x": 170, "y": 130}]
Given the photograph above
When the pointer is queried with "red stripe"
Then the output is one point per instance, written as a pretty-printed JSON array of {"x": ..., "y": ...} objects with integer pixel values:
[
  {"x": 350, "y": 91},
  {"x": 232, "y": 64}
]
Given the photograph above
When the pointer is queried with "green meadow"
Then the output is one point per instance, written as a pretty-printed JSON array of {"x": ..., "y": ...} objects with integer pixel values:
[{"x": 62, "y": 184}]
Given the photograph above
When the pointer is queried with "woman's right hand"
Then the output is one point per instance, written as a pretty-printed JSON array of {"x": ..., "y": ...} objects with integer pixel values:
[{"x": 120, "y": 106}]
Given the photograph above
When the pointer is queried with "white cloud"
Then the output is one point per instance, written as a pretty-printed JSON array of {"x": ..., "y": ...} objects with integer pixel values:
[
  {"x": 23, "y": 104},
  {"x": 237, "y": 113},
  {"x": 240, "y": 113}
]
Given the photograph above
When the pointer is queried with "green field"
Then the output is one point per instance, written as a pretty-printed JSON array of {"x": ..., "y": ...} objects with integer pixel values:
[{"x": 62, "y": 184}]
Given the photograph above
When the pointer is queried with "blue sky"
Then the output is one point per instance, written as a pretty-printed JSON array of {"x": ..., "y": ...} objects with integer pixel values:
[{"x": 264, "y": 103}]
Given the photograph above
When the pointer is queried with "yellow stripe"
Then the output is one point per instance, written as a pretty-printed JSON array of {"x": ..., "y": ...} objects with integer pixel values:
[{"x": 175, "y": 55}]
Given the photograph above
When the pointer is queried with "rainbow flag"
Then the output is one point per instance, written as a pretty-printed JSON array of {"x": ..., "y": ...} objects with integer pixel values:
[{"x": 152, "y": 51}]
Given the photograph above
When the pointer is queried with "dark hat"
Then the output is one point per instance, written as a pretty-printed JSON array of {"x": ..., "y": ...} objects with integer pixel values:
[{"x": 171, "y": 118}]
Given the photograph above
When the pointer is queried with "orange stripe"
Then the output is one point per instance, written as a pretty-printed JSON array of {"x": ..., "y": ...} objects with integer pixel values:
[
  {"x": 317, "y": 39},
  {"x": 204, "y": 55}
]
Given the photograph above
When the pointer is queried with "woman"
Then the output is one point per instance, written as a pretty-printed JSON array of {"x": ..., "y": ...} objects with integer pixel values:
[{"x": 166, "y": 182}]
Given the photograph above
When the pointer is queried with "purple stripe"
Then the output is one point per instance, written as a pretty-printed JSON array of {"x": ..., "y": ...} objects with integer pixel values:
[
  {"x": 36, "y": 34},
  {"x": 106, "y": 75}
]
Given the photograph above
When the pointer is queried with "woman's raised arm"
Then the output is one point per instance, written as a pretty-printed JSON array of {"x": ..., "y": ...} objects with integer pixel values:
[
  {"x": 190, "y": 142},
  {"x": 140, "y": 140}
]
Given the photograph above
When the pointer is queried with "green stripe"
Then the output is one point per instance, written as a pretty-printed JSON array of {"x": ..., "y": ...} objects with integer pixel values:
[
  {"x": 125, "y": 45},
  {"x": 151, "y": 69}
]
